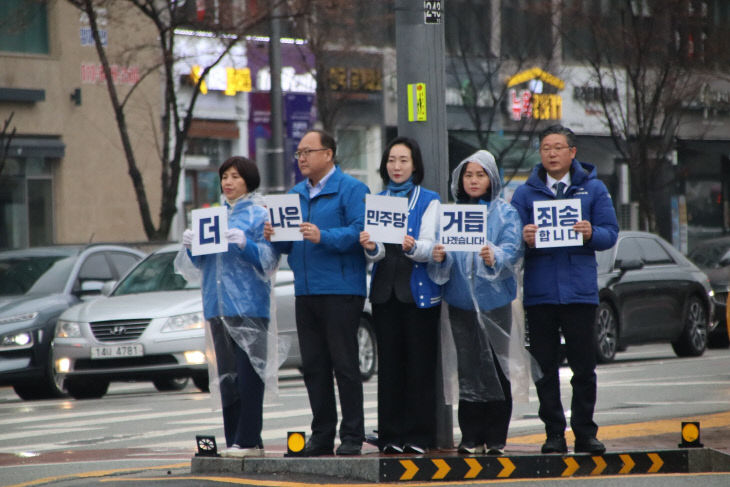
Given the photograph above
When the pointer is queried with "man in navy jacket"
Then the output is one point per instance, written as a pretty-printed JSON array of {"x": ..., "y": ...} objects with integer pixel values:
[
  {"x": 561, "y": 290},
  {"x": 329, "y": 284}
]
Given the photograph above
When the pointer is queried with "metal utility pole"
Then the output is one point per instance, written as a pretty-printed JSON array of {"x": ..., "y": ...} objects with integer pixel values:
[
  {"x": 276, "y": 147},
  {"x": 420, "y": 49}
]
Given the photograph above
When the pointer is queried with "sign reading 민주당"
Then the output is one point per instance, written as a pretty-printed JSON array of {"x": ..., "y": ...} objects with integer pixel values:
[
  {"x": 209, "y": 229},
  {"x": 285, "y": 216},
  {"x": 386, "y": 218},
  {"x": 555, "y": 220},
  {"x": 463, "y": 227}
]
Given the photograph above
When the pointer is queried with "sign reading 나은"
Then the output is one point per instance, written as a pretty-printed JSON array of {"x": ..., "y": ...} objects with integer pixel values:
[
  {"x": 386, "y": 218},
  {"x": 463, "y": 227},
  {"x": 285, "y": 216},
  {"x": 555, "y": 220},
  {"x": 209, "y": 230}
]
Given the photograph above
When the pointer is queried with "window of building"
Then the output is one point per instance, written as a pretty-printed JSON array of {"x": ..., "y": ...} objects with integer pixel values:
[
  {"x": 591, "y": 28},
  {"x": 24, "y": 26},
  {"x": 26, "y": 203},
  {"x": 352, "y": 153},
  {"x": 468, "y": 27},
  {"x": 526, "y": 29}
]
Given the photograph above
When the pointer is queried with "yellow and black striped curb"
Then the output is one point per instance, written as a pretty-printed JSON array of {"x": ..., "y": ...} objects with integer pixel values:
[{"x": 533, "y": 466}]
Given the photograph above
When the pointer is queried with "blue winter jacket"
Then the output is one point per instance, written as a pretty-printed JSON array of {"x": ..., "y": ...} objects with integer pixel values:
[
  {"x": 563, "y": 275},
  {"x": 235, "y": 282},
  {"x": 335, "y": 265}
]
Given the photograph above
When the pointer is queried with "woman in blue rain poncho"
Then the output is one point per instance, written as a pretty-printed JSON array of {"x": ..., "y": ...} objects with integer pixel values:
[
  {"x": 479, "y": 288},
  {"x": 236, "y": 287}
]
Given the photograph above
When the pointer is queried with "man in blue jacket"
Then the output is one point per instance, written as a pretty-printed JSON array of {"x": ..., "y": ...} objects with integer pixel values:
[
  {"x": 330, "y": 289},
  {"x": 561, "y": 290}
]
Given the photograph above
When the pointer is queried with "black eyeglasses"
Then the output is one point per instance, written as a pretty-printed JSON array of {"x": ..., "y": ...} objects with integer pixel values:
[{"x": 305, "y": 152}]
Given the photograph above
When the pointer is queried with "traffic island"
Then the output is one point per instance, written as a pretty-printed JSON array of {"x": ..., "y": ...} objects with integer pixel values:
[{"x": 449, "y": 466}]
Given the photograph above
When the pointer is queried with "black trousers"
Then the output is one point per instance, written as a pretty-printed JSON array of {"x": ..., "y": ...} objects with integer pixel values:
[
  {"x": 407, "y": 359},
  {"x": 242, "y": 391},
  {"x": 487, "y": 421},
  {"x": 577, "y": 323},
  {"x": 327, "y": 328}
]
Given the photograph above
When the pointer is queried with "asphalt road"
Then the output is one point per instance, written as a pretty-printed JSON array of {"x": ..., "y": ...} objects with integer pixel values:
[{"x": 137, "y": 436}]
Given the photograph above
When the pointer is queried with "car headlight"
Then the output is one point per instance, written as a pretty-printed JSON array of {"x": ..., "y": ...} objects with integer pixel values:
[
  {"x": 190, "y": 321},
  {"x": 16, "y": 341},
  {"x": 18, "y": 318},
  {"x": 68, "y": 329}
]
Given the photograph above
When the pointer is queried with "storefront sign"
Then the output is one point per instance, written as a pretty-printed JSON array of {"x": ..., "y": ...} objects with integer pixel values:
[
  {"x": 121, "y": 75},
  {"x": 355, "y": 79},
  {"x": 533, "y": 101}
]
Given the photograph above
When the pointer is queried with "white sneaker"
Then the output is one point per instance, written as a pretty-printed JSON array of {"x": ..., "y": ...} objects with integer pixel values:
[{"x": 238, "y": 452}]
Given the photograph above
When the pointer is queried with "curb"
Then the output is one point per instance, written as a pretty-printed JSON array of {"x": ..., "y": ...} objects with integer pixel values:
[{"x": 451, "y": 467}]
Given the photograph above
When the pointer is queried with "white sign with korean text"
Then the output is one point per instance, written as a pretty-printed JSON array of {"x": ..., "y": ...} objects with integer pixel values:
[
  {"x": 209, "y": 230},
  {"x": 386, "y": 218},
  {"x": 285, "y": 216},
  {"x": 463, "y": 227},
  {"x": 555, "y": 220}
]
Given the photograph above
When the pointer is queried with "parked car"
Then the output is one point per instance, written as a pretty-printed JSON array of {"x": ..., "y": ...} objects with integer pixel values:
[
  {"x": 713, "y": 257},
  {"x": 36, "y": 285},
  {"x": 649, "y": 292},
  {"x": 151, "y": 327}
]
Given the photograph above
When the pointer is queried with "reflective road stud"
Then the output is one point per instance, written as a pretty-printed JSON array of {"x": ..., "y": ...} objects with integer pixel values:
[
  {"x": 690, "y": 435},
  {"x": 295, "y": 441}
]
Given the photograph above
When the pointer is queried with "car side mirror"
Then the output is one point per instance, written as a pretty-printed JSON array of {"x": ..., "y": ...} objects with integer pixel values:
[
  {"x": 630, "y": 265},
  {"x": 108, "y": 287},
  {"x": 90, "y": 287}
]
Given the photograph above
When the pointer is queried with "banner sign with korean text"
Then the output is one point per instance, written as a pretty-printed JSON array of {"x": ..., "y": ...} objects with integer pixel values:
[
  {"x": 285, "y": 216},
  {"x": 463, "y": 227},
  {"x": 555, "y": 220},
  {"x": 386, "y": 218},
  {"x": 209, "y": 229}
]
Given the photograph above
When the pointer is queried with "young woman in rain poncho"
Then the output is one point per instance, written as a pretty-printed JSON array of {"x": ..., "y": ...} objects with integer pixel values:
[
  {"x": 406, "y": 309},
  {"x": 479, "y": 288},
  {"x": 236, "y": 289}
]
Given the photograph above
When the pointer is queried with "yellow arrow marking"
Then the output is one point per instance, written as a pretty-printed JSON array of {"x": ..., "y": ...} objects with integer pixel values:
[
  {"x": 656, "y": 462},
  {"x": 600, "y": 465},
  {"x": 572, "y": 466},
  {"x": 443, "y": 469},
  {"x": 628, "y": 463},
  {"x": 411, "y": 469},
  {"x": 474, "y": 468},
  {"x": 508, "y": 467}
]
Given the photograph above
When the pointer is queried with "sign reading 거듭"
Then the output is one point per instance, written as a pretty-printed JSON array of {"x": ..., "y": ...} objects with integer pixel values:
[
  {"x": 386, "y": 218},
  {"x": 432, "y": 12},
  {"x": 463, "y": 227},
  {"x": 285, "y": 216},
  {"x": 209, "y": 229},
  {"x": 555, "y": 220}
]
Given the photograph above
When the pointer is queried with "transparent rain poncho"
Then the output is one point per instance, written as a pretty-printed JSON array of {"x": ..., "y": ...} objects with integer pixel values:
[
  {"x": 237, "y": 287},
  {"x": 474, "y": 286}
]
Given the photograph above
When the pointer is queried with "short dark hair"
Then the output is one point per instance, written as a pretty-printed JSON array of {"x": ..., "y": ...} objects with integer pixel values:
[
  {"x": 560, "y": 130},
  {"x": 246, "y": 169},
  {"x": 415, "y": 155},
  {"x": 327, "y": 141}
]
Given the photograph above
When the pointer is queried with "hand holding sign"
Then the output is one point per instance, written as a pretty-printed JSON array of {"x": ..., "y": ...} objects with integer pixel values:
[
  {"x": 386, "y": 218},
  {"x": 557, "y": 221},
  {"x": 209, "y": 229},
  {"x": 285, "y": 217}
]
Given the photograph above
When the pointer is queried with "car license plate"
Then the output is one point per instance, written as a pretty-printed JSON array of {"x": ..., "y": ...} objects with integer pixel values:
[{"x": 117, "y": 351}]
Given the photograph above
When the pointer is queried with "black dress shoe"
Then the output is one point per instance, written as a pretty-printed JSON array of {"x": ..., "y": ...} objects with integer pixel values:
[
  {"x": 312, "y": 449},
  {"x": 555, "y": 444},
  {"x": 349, "y": 448},
  {"x": 414, "y": 449},
  {"x": 589, "y": 445},
  {"x": 392, "y": 449}
]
